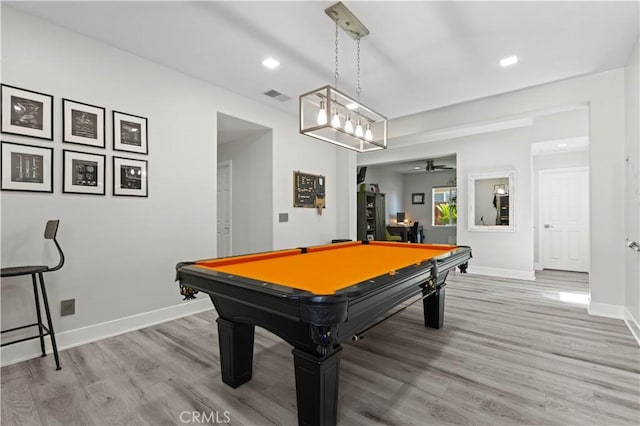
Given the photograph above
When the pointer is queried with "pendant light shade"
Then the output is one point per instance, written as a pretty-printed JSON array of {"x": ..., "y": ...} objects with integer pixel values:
[
  {"x": 348, "y": 125},
  {"x": 335, "y": 121},
  {"x": 322, "y": 114}
]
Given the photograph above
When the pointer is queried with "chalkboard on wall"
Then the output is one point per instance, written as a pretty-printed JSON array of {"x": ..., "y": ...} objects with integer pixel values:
[{"x": 308, "y": 190}]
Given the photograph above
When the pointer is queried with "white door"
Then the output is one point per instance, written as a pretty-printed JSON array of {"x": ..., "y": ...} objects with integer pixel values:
[
  {"x": 224, "y": 209},
  {"x": 564, "y": 219}
]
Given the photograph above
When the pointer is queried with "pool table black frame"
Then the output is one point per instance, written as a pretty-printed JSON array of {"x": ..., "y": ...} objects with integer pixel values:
[{"x": 314, "y": 325}]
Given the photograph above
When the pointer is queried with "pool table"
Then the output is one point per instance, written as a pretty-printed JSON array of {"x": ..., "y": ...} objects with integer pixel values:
[{"x": 315, "y": 298}]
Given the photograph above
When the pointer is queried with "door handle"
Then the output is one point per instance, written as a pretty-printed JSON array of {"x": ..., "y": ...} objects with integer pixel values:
[
  {"x": 633, "y": 245},
  {"x": 546, "y": 225}
]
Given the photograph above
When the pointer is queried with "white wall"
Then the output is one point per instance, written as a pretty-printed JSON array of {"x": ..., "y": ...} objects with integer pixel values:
[
  {"x": 603, "y": 93},
  {"x": 306, "y": 227},
  {"x": 121, "y": 251},
  {"x": 632, "y": 191},
  {"x": 562, "y": 160},
  {"x": 559, "y": 125},
  {"x": 251, "y": 188},
  {"x": 346, "y": 201},
  {"x": 423, "y": 213},
  {"x": 508, "y": 254}
]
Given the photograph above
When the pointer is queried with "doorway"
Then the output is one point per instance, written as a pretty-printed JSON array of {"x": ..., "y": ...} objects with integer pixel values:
[
  {"x": 563, "y": 219},
  {"x": 249, "y": 148},
  {"x": 409, "y": 191}
]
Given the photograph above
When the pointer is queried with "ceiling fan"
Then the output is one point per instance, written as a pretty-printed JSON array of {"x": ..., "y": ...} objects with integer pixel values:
[{"x": 431, "y": 167}]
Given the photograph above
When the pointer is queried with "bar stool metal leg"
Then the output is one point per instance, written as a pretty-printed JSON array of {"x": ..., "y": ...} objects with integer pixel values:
[
  {"x": 46, "y": 310},
  {"x": 35, "y": 294}
]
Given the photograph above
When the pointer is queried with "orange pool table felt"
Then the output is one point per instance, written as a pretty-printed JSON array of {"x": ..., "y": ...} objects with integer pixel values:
[{"x": 325, "y": 269}]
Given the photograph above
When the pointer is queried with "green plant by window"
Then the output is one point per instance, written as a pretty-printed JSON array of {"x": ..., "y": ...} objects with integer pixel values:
[
  {"x": 448, "y": 214},
  {"x": 445, "y": 210}
]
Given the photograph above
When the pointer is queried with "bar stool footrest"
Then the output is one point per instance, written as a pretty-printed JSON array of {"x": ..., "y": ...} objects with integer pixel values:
[{"x": 37, "y": 336}]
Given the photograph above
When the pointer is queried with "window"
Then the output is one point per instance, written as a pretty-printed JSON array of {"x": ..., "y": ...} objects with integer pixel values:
[{"x": 445, "y": 210}]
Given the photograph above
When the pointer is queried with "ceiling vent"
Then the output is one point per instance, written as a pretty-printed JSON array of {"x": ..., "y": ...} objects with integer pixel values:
[{"x": 277, "y": 95}]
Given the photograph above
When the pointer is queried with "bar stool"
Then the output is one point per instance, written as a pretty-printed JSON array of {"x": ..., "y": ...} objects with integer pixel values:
[{"x": 50, "y": 234}]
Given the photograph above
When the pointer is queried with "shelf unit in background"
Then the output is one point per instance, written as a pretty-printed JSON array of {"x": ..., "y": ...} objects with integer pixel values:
[
  {"x": 502, "y": 205},
  {"x": 371, "y": 216}
]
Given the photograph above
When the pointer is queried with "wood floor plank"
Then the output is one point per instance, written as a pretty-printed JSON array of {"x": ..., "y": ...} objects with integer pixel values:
[
  {"x": 510, "y": 352},
  {"x": 19, "y": 406}
]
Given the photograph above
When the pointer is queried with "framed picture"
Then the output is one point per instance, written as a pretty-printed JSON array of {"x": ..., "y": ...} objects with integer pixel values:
[
  {"x": 370, "y": 237},
  {"x": 417, "y": 198},
  {"x": 130, "y": 177},
  {"x": 82, "y": 173},
  {"x": 82, "y": 123},
  {"x": 373, "y": 187},
  {"x": 26, "y": 168},
  {"x": 500, "y": 189},
  {"x": 26, "y": 113},
  {"x": 129, "y": 133}
]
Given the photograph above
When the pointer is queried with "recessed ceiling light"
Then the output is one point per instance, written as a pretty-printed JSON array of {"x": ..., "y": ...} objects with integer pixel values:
[
  {"x": 562, "y": 145},
  {"x": 417, "y": 168},
  {"x": 271, "y": 63},
  {"x": 511, "y": 60}
]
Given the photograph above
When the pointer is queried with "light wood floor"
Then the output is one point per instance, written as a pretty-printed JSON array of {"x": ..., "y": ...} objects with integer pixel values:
[{"x": 510, "y": 353}]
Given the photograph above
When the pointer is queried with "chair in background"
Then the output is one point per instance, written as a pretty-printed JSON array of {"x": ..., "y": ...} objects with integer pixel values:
[
  {"x": 389, "y": 237},
  {"x": 414, "y": 234},
  {"x": 50, "y": 232}
]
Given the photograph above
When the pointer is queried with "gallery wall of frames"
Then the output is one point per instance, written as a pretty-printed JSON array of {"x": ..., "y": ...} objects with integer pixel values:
[{"x": 28, "y": 164}]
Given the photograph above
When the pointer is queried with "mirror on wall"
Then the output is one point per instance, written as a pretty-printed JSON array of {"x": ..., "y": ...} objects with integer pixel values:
[{"x": 491, "y": 201}]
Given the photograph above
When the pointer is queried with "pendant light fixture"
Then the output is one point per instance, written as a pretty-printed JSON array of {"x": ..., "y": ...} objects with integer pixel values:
[{"x": 370, "y": 132}]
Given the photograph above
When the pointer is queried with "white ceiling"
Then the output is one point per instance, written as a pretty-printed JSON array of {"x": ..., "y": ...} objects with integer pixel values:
[{"x": 419, "y": 55}]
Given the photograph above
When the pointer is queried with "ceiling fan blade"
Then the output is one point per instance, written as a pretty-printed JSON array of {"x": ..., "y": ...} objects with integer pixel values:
[{"x": 431, "y": 167}]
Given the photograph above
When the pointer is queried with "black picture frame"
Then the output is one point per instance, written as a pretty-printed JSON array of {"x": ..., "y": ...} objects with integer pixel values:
[
  {"x": 26, "y": 112},
  {"x": 417, "y": 198},
  {"x": 373, "y": 187},
  {"x": 130, "y": 133},
  {"x": 83, "y": 173},
  {"x": 130, "y": 177},
  {"x": 83, "y": 124},
  {"x": 26, "y": 168}
]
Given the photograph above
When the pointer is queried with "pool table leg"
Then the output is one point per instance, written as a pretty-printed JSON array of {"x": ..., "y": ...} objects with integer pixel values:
[
  {"x": 317, "y": 380},
  {"x": 434, "y": 309},
  {"x": 236, "y": 351}
]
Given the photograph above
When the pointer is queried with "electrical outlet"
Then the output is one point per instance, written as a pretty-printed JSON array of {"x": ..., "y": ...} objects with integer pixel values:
[{"x": 67, "y": 307}]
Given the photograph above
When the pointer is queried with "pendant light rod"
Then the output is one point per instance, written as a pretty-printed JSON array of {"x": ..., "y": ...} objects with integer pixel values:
[{"x": 347, "y": 20}]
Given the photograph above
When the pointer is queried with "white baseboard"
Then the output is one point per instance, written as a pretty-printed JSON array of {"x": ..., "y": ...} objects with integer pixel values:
[
  {"x": 503, "y": 273},
  {"x": 606, "y": 310},
  {"x": 633, "y": 325},
  {"x": 80, "y": 336}
]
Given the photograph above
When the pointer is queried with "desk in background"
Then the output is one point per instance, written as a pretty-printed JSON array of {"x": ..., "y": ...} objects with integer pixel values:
[{"x": 403, "y": 231}]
